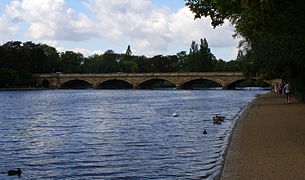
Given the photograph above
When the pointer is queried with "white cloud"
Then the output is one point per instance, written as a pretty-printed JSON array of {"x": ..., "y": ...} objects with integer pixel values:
[
  {"x": 50, "y": 19},
  {"x": 149, "y": 29},
  {"x": 54, "y": 44},
  {"x": 152, "y": 29},
  {"x": 7, "y": 30},
  {"x": 85, "y": 52},
  {"x": 186, "y": 29}
]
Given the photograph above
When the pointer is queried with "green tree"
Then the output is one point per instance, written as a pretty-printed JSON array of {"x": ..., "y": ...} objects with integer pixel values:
[
  {"x": 71, "y": 62},
  {"x": 273, "y": 32},
  {"x": 200, "y": 59},
  {"x": 194, "y": 48},
  {"x": 173, "y": 63},
  {"x": 34, "y": 55},
  {"x": 161, "y": 64},
  {"x": 192, "y": 58},
  {"x": 9, "y": 78},
  {"x": 220, "y": 66},
  {"x": 182, "y": 60},
  {"x": 109, "y": 62},
  {"x": 142, "y": 63},
  {"x": 52, "y": 59},
  {"x": 128, "y": 67},
  {"x": 91, "y": 64},
  {"x": 207, "y": 59},
  {"x": 17, "y": 58},
  {"x": 233, "y": 66},
  {"x": 14, "y": 56}
]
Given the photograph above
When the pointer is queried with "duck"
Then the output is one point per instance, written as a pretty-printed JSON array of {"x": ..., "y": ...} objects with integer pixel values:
[
  {"x": 14, "y": 172},
  {"x": 205, "y": 132},
  {"x": 218, "y": 119}
]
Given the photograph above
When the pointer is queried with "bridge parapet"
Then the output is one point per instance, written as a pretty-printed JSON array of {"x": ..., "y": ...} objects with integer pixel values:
[{"x": 139, "y": 74}]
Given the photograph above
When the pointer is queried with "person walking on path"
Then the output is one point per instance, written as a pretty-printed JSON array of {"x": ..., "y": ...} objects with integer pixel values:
[
  {"x": 287, "y": 92},
  {"x": 280, "y": 89}
]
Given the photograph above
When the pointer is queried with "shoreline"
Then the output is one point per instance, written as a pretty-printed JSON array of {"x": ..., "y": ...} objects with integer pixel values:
[
  {"x": 21, "y": 89},
  {"x": 240, "y": 116},
  {"x": 267, "y": 141},
  {"x": 29, "y": 89},
  {"x": 234, "y": 132}
]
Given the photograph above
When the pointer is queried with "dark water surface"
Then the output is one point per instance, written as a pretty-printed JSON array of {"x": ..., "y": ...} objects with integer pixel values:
[{"x": 116, "y": 134}]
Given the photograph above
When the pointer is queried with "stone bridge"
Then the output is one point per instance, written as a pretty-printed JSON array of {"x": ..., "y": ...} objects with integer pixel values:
[{"x": 57, "y": 80}]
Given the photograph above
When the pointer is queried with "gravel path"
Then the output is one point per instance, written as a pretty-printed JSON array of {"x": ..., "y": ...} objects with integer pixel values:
[{"x": 268, "y": 141}]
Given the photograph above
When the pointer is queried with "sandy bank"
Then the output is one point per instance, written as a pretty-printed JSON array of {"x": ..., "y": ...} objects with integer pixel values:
[{"x": 268, "y": 141}]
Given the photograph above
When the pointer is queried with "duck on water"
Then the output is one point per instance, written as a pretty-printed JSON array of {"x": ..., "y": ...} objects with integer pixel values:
[
  {"x": 218, "y": 119},
  {"x": 14, "y": 172}
]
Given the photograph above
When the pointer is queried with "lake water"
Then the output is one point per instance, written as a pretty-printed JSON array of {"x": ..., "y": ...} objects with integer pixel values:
[{"x": 116, "y": 134}]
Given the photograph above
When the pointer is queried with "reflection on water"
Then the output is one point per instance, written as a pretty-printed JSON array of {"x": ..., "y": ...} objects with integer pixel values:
[{"x": 116, "y": 134}]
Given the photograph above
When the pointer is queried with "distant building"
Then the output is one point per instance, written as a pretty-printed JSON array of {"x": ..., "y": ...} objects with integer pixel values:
[{"x": 128, "y": 51}]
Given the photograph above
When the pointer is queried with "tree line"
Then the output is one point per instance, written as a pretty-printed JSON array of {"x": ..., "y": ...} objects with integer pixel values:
[
  {"x": 19, "y": 60},
  {"x": 273, "y": 33}
]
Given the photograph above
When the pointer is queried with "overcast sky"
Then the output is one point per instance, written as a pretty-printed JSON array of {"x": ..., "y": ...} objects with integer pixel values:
[{"x": 150, "y": 27}]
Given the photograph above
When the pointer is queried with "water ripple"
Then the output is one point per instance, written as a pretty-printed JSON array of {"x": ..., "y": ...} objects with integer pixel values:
[{"x": 116, "y": 134}]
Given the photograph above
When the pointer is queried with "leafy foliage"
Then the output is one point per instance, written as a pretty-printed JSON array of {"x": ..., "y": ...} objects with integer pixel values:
[
  {"x": 273, "y": 32},
  {"x": 20, "y": 60}
]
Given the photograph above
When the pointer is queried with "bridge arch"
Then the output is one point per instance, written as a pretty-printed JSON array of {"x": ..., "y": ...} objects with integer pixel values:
[
  {"x": 188, "y": 80},
  {"x": 117, "y": 83},
  {"x": 200, "y": 83},
  {"x": 76, "y": 83},
  {"x": 144, "y": 82},
  {"x": 45, "y": 83},
  {"x": 232, "y": 84},
  {"x": 114, "y": 79},
  {"x": 65, "y": 80}
]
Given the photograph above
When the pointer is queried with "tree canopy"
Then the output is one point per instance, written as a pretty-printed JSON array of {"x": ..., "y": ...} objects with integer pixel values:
[
  {"x": 20, "y": 60},
  {"x": 256, "y": 17},
  {"x": 273, "y": 32}
]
